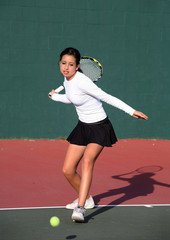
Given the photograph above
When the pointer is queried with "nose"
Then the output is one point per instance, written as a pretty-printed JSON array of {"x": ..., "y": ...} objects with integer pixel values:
[{"x": 66, "y": 67}]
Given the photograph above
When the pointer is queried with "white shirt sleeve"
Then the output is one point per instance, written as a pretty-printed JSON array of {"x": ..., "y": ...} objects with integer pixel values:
[
  {"x": 93, "y": 90},
  {"x": 60, "y": 98}
]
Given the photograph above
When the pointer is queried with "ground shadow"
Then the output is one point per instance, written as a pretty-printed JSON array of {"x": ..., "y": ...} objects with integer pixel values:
[{"x": 138, "y": 185}]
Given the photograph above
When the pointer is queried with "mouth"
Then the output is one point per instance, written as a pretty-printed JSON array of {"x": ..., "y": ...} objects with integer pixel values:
[{"x": 66, "y": 72}]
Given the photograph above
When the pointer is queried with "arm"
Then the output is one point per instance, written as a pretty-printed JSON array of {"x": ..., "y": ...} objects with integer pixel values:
[
  {"x": 58, "y": 97},
  {"x": 90, "y": 88}
]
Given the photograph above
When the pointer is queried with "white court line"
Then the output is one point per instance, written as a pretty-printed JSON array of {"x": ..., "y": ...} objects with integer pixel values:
[
  {"x": 96, "y": 206},
  {"x": 136, "y": 205},
  {"x": 29, "y": 208}
]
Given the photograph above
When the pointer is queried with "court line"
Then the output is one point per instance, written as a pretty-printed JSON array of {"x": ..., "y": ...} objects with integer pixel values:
[{"x": 96, "y": 206}]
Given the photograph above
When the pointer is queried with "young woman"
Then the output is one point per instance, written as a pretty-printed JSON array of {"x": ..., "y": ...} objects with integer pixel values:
[{"x": 93, "y": 131}]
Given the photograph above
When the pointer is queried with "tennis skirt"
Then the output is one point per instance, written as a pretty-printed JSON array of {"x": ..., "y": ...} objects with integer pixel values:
[{"x": 101, "y": 132}]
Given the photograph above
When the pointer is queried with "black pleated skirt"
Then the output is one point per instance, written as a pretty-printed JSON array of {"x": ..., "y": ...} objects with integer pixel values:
[{"x": 101, "y": 132}]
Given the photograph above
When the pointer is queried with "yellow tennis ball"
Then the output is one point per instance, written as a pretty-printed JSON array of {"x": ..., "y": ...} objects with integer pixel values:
[{"x": 54, "y": 221}]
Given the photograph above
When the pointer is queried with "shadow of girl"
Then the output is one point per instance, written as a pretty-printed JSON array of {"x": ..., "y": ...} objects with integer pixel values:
[{"x": 139, "y": 185}]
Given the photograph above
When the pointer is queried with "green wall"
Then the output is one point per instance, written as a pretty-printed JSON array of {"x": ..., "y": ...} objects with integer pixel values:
[{"x": 131, "y": 38}]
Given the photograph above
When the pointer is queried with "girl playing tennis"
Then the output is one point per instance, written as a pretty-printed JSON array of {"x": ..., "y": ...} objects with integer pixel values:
[{"x": 93, "y": 132}]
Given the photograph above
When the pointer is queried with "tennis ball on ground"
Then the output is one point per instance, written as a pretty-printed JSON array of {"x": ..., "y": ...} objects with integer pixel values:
[{"x": 54, "y": 221}]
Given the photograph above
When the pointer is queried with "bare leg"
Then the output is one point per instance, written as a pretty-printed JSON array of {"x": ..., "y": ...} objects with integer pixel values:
[
  {"x": 91, "y": 153},
  {"x": 72, "y": 159}
]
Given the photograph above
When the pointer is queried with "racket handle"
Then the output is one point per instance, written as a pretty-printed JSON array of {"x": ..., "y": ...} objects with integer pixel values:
[{"x": 57, "y": 90}]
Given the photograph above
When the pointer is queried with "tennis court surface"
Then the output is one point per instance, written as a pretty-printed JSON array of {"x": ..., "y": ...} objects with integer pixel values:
[{"x": 129, "y": 204}]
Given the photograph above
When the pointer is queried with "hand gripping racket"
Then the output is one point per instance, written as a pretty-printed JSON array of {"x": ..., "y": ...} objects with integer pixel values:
[{"x": 90, "y": 67}]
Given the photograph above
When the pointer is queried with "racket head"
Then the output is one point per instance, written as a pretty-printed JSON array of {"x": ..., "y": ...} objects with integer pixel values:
[
  {"x": 149, "y": 169},
  {"x": 91, "y": 68}
]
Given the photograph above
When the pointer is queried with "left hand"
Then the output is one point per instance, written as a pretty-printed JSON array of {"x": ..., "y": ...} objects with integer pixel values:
[{"x": 139, "y": 115}]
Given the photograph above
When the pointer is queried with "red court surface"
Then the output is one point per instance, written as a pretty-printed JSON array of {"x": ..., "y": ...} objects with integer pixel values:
[{"x": 31, "y": 174}]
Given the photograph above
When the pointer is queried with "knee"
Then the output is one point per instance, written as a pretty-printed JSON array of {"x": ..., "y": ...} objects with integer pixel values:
[
  {"x": 67, "y": 172},
  {"x": 88, "y": 163}
]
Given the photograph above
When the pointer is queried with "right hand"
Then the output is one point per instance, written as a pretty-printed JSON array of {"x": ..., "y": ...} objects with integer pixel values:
[{"x": 51, "y": 93}]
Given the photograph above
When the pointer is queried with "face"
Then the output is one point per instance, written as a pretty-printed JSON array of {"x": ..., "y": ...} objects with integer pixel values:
[{"x": 68, "y": 66}]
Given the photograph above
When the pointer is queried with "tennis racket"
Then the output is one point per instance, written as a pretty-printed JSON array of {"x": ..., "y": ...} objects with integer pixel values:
[{"x": 90, "y": 67}]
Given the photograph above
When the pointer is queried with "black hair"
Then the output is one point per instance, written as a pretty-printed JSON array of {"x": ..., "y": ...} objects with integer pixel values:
[{"x": 72, "y": 52}]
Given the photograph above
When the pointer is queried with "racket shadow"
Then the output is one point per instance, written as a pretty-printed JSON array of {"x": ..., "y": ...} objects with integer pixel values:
[{"x": 138, "y": 185}]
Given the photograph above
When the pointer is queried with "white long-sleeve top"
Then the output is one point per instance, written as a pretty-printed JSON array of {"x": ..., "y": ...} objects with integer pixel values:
[{"x": 86, "y": 97}]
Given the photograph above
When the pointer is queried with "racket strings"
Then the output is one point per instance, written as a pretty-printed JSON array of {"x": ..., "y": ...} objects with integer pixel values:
[{"x": 91, "y": 69}]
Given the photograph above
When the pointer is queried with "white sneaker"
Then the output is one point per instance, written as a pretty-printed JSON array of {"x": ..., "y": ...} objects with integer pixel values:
[
  {"x": 73, "y": 204},
  {"x": 89, "y": 204},
  {"x": 78, "y": 214}
]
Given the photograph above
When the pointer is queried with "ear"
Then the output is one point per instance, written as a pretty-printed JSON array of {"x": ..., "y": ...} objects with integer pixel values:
[{"x": 77, "y": 67}]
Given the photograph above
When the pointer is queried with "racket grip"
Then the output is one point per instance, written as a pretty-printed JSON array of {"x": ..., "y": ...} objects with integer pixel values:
[{"x": 57, "y": 90}]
